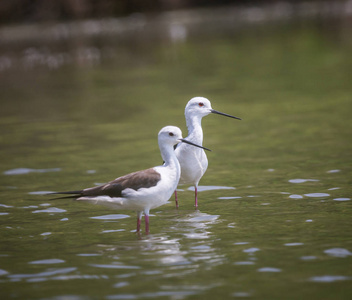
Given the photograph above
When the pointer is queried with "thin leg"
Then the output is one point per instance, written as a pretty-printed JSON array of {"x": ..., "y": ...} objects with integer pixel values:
[
  {"x": 196, "y": 197},
  {"x": 146, "y": 217},
  {"x": 139, "y": 219},
  {"x": 176, "y": 200}
]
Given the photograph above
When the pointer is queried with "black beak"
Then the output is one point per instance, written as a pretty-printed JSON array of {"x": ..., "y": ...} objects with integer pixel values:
[
  {"x": 223, "y": 114},
  {"x": 190, "y": 143}
]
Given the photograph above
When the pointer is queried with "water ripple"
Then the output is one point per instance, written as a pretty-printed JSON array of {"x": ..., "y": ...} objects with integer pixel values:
[
  {"x": 3, "y": 272},
  {"x": 113, "y": 266},
  {"x": 110, "y": 217},
  {"x": 197, "y": 235},
  {"x": 202, "y": 248},
  {"x": 302, "y": 180},
  {"x": 308, "y": 257},
  {"x": 121, "y": 297},
  {"x": 112, "y": 230},
  {"x": 49, "y": 210},
  {"x": 46, "y": 233},
  {"x": 338, "y": 252},
  {"x": 40, "y": 192},
  {"x": 121, "y": 284},
  {"x": 20, "y": 171},
  {"x": 251, "y": 250},
  {"x": 329, "y": 278},
  {"x": 5, "y": 206},
  {"x": 269, "y": 269},
  {"x": 70, "y": 277},
  {"x": 342, "y": 199},
  {"x": 317, "y": 195},
  {"x": 203, "y": 188},
  {"x": 47, "y": 261},
  {"x": 203, "y": 218},
  {"x": 244, "y": 263},
  {"x": 293, "y": 244},
  {"x": 174, "y": 260},
  {"x": 49, "y": 272},
  {"x": 173, "y": 294},
  {"x": 176, "y": 294},
  {"x": 295, "y": 196},
  {"x": 241, "y": 294}
]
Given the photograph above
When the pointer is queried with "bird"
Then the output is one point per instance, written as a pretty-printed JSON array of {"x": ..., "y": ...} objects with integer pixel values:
[
  {"x": 143, "y": 190},
  {"x": 194, "y": 162}
]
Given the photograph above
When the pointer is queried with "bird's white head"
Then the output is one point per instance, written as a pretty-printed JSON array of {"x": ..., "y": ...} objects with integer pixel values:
[
  {"x": 201, "y": 107},
  {"x": 198, "y": 106},
  {"x": 172, "y": 135}
]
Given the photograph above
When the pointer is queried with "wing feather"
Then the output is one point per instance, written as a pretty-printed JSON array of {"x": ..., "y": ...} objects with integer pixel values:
[{"x": 141, "y": 179}]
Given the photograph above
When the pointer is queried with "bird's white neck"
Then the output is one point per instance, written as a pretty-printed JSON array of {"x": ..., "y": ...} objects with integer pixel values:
[
  {"x": 169, "y": 156},
  {"x": 195, "y": 131}
]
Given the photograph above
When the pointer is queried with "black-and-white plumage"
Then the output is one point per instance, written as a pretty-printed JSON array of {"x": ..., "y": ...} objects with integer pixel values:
[{"x": 143, "y": 190}]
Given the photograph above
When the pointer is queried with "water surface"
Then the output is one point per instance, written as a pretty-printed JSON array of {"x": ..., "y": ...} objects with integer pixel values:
[{"x": 274, "y": 220}]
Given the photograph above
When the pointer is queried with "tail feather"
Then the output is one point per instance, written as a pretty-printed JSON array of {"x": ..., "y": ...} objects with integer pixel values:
[{"x": 73, "y": 194}]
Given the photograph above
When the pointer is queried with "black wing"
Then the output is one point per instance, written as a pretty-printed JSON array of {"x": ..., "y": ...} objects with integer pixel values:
[{"x": 141, "y": 179}]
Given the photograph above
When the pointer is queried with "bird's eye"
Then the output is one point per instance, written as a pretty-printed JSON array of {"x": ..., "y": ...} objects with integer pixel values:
[
  {"x": 171, "y": 134},
  {"x": 201, "y": 104}
]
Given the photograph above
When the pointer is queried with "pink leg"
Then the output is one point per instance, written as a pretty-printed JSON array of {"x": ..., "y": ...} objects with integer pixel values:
[
  {"x": 138, "y": 224},
  {"x": 146, "y": 217},
  {"x": 176, "y": 200},
  {"x": 196, "y": 197},
  {"x": 139, "y": 219}
]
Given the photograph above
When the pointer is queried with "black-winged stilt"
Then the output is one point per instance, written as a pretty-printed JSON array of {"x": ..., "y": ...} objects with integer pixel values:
[
  {"x": 143, "y": 190},
  {"x": 194, "y": 161}
]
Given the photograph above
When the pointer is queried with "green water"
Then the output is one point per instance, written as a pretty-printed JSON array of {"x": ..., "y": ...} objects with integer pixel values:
[{"x": 272, "y": 237}]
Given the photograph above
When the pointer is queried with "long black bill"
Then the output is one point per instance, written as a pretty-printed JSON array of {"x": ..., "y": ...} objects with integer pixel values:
[
  {"x": 190, "y": 143},
  {"x": 223, "y": 114}
]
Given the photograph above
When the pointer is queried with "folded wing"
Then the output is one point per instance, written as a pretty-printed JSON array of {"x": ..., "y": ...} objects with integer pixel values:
[{"x": 141, "y": 179}]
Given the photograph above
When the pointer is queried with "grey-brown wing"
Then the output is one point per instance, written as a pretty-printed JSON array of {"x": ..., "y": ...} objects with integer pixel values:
[{"x": 141, "y": 179}]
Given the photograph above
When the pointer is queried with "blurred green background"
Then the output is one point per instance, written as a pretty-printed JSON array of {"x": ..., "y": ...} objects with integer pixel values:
[{"x": 82, "y": 100}]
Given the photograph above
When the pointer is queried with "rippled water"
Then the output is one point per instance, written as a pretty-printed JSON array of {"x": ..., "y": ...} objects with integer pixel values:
[{"x": 274, "y": 220}]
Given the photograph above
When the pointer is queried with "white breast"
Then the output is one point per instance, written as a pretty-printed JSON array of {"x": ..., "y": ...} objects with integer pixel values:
[{"x": 193, "y": 164}]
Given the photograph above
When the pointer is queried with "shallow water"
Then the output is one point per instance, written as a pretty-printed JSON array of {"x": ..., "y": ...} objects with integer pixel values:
[{"x": 274, "y": 220}]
